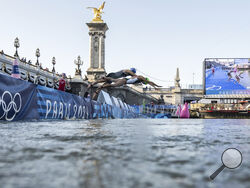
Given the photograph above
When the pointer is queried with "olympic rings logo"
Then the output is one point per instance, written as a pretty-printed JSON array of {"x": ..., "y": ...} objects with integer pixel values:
[{"x": 11, "y": 105}]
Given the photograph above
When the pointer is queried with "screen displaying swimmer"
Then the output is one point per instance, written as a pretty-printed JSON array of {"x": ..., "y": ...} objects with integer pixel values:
[{"x": 227, "y": 76}]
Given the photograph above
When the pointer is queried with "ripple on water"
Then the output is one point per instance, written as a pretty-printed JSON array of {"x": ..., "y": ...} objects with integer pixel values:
[
  {"x": 172, "y": 174},
  {"x": 70, "y": 138}
]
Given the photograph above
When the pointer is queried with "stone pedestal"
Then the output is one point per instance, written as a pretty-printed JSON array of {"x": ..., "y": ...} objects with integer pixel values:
[
  {"x": 177, "y": 99},
  {"x": 78, "y": 86},
  {"x": 77, "y": 78},
  {"x": 97, "y": 50}
]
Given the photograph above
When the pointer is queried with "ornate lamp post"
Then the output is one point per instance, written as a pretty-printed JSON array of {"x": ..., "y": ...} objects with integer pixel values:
[
  {"x": 17, "y": 45},
  {"x": 37, "y": 55},
  {"x": 53, "y": 70},
  {"x": 53, "y": 63},
  {"x": 79, "y": 63}
]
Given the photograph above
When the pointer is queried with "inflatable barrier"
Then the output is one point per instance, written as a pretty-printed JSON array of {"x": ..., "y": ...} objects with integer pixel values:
[{"x": 185, "y": 112}]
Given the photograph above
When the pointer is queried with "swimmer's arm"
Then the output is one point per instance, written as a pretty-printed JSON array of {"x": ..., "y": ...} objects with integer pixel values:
[
  {"x": 153, "y": 84},
  {"x": 130, "y": 72},
  {"x": 99, "y": 81},
  {"x": 149, "y": 82}
]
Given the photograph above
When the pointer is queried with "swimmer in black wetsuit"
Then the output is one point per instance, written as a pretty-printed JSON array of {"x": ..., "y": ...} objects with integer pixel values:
[
  {"x": 229, "y": 75},
  {"x": 124, "y": 81},
  {"x": 237, "y": 78},
  {"x": 115, "y": 75},
  {"x": 122, "y": 73}
]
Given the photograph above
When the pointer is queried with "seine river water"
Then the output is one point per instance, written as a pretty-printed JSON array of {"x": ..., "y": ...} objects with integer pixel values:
[{"x": 122, "y": 153}]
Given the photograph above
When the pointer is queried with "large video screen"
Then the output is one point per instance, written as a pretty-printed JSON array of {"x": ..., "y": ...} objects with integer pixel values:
[{"x": 227, "y": 76}]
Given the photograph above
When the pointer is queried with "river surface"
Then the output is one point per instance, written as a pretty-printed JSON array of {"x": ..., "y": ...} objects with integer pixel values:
[{"x": 133, "y": 153}]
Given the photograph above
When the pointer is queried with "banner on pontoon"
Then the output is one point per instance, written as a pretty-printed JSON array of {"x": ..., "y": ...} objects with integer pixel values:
[{"x": 22, "y": 100}]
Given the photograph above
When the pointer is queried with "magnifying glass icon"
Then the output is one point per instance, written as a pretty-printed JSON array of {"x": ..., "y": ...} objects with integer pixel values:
[{"x": 231, "y": 158}]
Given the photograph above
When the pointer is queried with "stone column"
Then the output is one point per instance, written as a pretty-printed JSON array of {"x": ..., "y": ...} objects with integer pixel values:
[
  {"x": 90, "y": 51},
  {"x": 177, "y": 98},
  {"x": 100, "y": 52},
  {"x": 97, "y": 50},
  {"x": 103, "y": 53}
]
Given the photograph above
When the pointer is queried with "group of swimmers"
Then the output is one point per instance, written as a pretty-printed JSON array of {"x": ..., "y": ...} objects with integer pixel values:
[
  {"x": 229, "y": 73},
  {"x": 236, "y": 72},
  {"x": 120, "y": 78},
  {"x": 237, "y": 76}
]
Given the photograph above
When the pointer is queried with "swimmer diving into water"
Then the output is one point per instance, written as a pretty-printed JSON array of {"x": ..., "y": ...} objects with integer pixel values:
[
  {"x": 115, "y": 75},
  {"x": 110, "y": 82}
]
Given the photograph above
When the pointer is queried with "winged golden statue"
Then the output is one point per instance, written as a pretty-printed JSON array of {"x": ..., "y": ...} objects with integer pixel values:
[{"x": 97, "y": 13}]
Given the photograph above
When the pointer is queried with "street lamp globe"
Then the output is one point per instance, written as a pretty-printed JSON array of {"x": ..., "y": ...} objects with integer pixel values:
[
  {"x": 53, "y": 63},
  {"x": 17, "y": 45},
  {"x": 37, "y": 52},
  {"x": 79, "y": 63},
  {"x": 37, "y": 55}
]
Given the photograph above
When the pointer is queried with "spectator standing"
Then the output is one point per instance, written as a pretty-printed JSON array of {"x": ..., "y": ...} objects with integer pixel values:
[{"x": 62, "y": 82}]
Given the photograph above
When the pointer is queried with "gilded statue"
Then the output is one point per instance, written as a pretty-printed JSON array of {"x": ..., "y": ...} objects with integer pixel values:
[{"x": 97, "y": 13}]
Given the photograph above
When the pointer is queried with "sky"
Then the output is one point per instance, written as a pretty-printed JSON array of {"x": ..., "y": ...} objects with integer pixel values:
[{"x": 154, "y": 36}]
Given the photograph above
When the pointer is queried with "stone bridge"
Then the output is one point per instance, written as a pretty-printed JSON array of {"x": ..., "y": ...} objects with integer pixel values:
[{"x": 174, "y": 95}]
